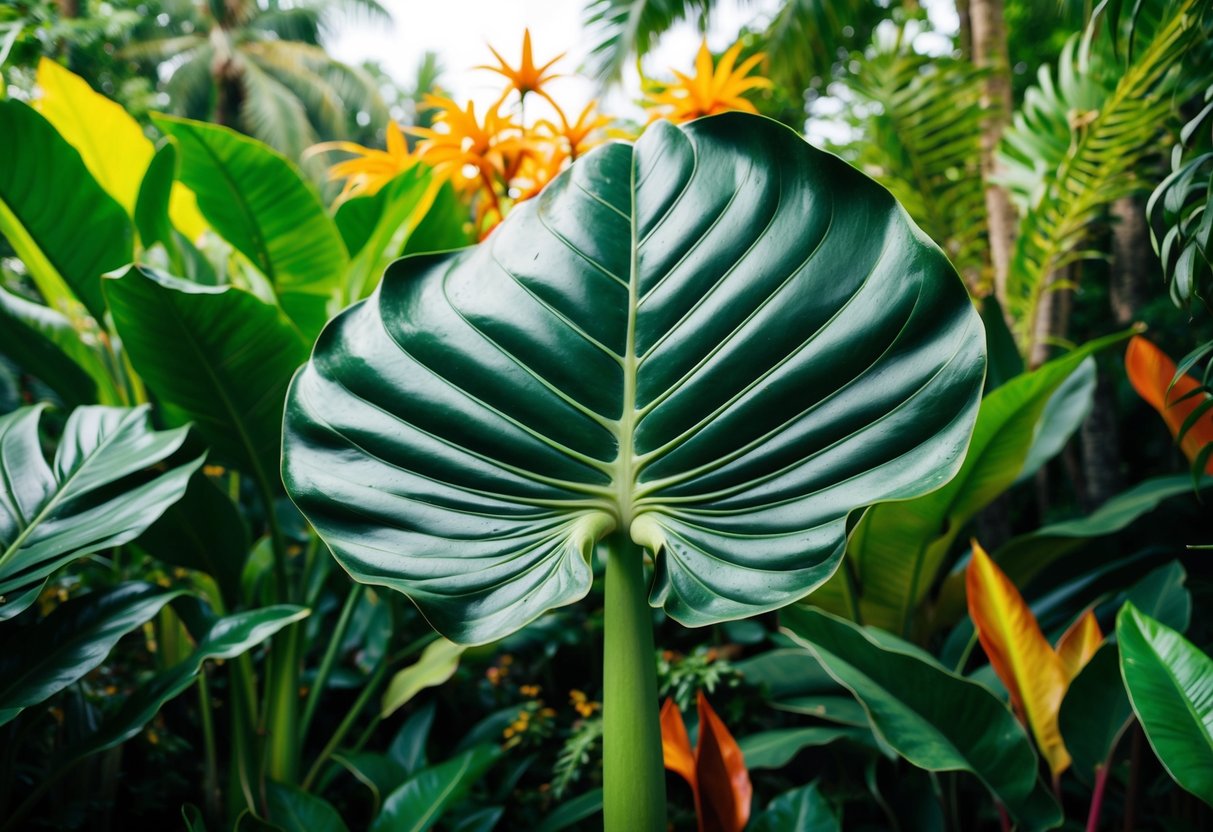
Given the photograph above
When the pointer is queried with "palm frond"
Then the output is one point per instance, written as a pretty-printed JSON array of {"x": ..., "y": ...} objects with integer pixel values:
[
  {"x": 297, "y": 23},
  {"x": 920, "y": 119},
  {"x": 273, "y": 113},
  {"x": 320, "y": 101},
  {"x": 626, "y": 29},
  {"x": 806, "y": 38},
  {"x": 1110, "y": 130},
  {"x": 161, "y": 49},
  {"x": 189, "y": 84}
]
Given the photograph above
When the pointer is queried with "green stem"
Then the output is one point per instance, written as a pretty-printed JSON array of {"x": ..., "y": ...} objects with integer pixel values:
[
  {"x": 210, "y": 779},
  {"x": 368, "y": 690},
  {"x": 282, "y": 705},
  {"x": 330, "y": 658},
  {"x": 633, "y": 771}
]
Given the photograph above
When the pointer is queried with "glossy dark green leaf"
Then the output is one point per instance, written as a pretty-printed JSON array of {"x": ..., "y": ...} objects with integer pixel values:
[
  {"x": 1064, "y": 414},
  {"x": 1170, "y": 685},
  {"x": 96, "y": 494},
  {"x": 422, "y": 799},
  {"x": 408, "y": 747},
  {"x": 191, "y": 815},
  {"x": 294, "y": 810},
  {"x": 216, "y": 356},
  {"x": 898, "y": 549},
  {"x": 226, "y": 638},
  {"x": 38, "y": 662},
  {"x": 582, "y": 807},
  {"x": 1095, "y": 712},
  {"x": 721, "y": 341},
  {"x": 1161, "y": 594},
  {"x": 65, "y": 228},
  {"x": 43, "y": 343},
  {"x": 258, "y": 201},
  {"x": 775, "y": 749},
  {"x": 380, "y": 774},
  {"x": 1005, "y": 362},
  {"x": 481, "y": 820},
  {"x": 204, "y": 530},
  {"x": 804, "y": 810},
  {"x": 935, "y": 719}
]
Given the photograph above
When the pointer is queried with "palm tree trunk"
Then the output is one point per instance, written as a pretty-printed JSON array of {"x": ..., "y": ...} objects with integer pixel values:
[
  {"x": 989, "y": 46},
  {"x": 1132, "y": 259}
]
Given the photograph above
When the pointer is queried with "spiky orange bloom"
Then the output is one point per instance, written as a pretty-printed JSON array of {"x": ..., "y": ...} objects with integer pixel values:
[
  {"x": 711, "y": 89},
  {"x": 369, "y": 169},
  {"x": 536, "y": 171},
  {"x": 459, "y": 142},
  {"x": 578, "y": 136},
  {"x": 526, "y": 77}
]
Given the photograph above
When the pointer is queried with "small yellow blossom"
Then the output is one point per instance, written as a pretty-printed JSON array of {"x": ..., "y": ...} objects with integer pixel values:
[
  {"x": 369, "y": 169},
  {"x": 526, "y": 77},
  {"x": 710, "y": 90}
]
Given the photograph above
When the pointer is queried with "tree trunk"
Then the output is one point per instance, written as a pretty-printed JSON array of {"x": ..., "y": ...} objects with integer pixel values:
[
  {"x": 989, "y": 49},
  {"x": 1052, "y": 316},
  {"x": 1132, "y": 259},
  {"x": 964, "y": 37},
  {"x": 1099, "y": 437}
]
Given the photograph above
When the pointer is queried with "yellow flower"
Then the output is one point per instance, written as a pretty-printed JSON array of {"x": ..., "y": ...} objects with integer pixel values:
[
  {"x": 460, "y": 142},
  {"x": 369, "y": 169},
  {"x": 526, "y": 77},
  {"x": 710, "y": 90},
  {"x": 582, "y": 703},
  {"x": 530, "y": 690},
  {"x": 536, "y": 171}
]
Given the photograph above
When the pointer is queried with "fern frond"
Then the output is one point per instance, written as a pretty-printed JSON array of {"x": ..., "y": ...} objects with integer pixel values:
[
  {"x": 1110, "y": 129},
  {"x": 575, "y": 755}
]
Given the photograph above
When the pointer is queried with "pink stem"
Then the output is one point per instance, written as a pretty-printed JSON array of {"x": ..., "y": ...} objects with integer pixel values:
[
  {"x": 1101, "y": 782},
  {"x": 1004, "y": 819}
]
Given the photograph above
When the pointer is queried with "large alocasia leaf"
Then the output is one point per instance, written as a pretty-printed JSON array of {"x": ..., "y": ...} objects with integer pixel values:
[
  {"x": 98, "y": 493},
  {"x": 1170, "y": 685},
  {"x": 720, "y": 341}
]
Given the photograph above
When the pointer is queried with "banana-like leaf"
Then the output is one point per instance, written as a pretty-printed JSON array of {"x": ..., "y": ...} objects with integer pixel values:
[
  {"x": 935, "y": 719},
  {"x": 1067, "y": 409},
  {"x": 719, "y": 341},
  {"x": 257, "y": 201},
  {"x": 294, "y": 810},
  {"x": 1079, "y": 643},
  {"x": 46, "y": 198},
  {"x": 438, "y": 662},
  {"x": 419, "y": 803},
  {"x": 1170, "y": 685},
  {"x": 1029, "y": 668},
  {"x": 98, "y": 493},
  {"x": 805, "y": 810},
  {"x": 898, "y": 549},
  {"x": 1095, "y": 713},
  {"x": 38, "y": 662},
  {"x": 216, "y": 356},
  {"x": 224, "y": 638},
  {"x": 775, "y": 749},
  {"x": 43, "y": 342},
  {"x": 112, "y": 144}
]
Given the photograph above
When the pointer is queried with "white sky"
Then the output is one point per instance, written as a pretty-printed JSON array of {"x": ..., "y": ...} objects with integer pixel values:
[{"x": 458, "y": 30}]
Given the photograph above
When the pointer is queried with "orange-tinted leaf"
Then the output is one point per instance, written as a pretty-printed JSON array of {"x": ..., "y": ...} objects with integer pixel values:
[
  {"x": 724, "y": 782},
  {"x": 1078, "y": 644},
  {"x": 675, "y": 744},
  {"x": 1020, "y": 655},
  {"x": 1150, "y": 372}
]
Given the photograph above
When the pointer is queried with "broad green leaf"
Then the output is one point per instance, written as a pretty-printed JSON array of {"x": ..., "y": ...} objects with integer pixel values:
[
  {"x": 226, "y": 638},
  {"x": 898, "y": 549},
  {"x": 112, "y": 144},
  {"x": 935, "y": 719},
  {"x": 192, "y": 816},
  {"x": 1162, "y": 595},
  {"x": 381, "y": 775},
  {"x": 422, "y": 799},
  {"x": 38, "y": 662},
  {"x": 804, "y": 810},
  {"x": 445, "y": 226},
  {"x": 43, "y": 342},
  {"x": 438, "y": 662},
  {"x": 98, "y": 493},
  {"x": 204, "y": 530},
  {"x": 572, "y": 811},
  {"x": 294, "y": 810},
  {"x": 216, "y": 356},
  {"x": 47, "y": 199},
  {"x": 257, "y": 201},
  {"x": 1005, "y": 362},
  {"x": 775, "y": 749},
  {"x": 1095, "y": 712},
  {"x": 719, "y": 341},
  {"x": 151, "y": 212},
  {"x": 1067, "y": 409},
  {"x": 376, "y": 228},
  {"x": 1170, "y": 685},
  {"x": 408, "y": 747}
]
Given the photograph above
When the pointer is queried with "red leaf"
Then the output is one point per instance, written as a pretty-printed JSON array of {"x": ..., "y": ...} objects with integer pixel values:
[
  {"x": 724, "y": 783},
  {"x": 675, "y": 744}
]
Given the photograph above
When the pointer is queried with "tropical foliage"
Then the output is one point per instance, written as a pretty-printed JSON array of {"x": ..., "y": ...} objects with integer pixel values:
[{"x": 557, "y": 468}]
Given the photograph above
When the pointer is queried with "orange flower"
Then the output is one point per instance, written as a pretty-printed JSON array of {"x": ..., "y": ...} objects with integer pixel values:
[
  {"x": 710, "y": 90},
  {"x": 536, "y": 171},
  {"x": 526, "y": 77},
  {"x": 576, "y": 136},
  {"x": 461, "y": 148},
  {"x": 369, "y": 169},
  {"x": 715, "y": 769}
]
